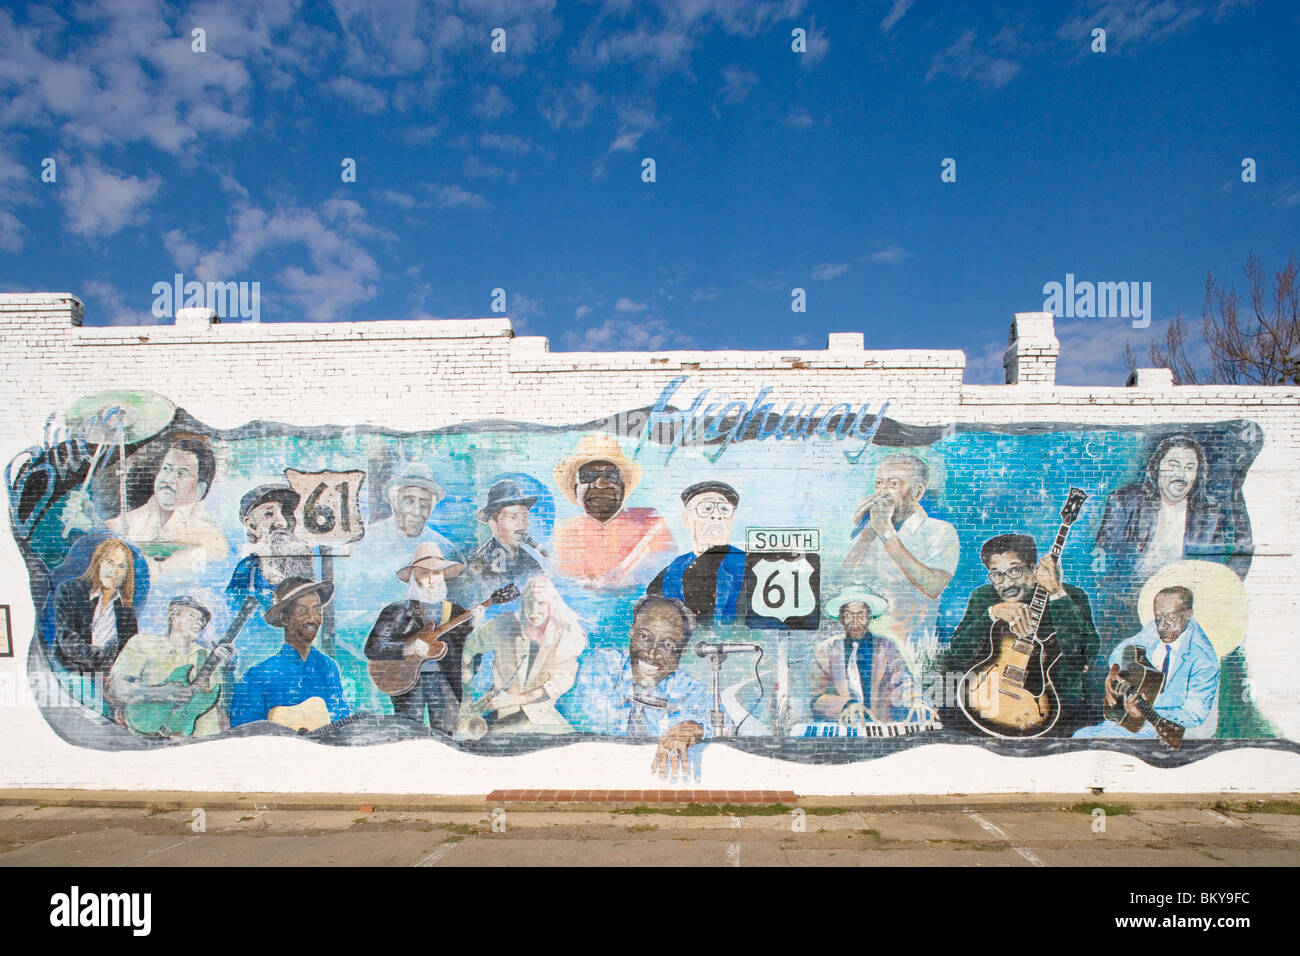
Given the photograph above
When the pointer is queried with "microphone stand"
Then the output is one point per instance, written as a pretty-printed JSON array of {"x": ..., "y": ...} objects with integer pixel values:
[{"x": 718, "y": 716}]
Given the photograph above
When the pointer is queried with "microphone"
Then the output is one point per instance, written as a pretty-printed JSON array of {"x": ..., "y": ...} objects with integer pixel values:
[
  {"x": 528, "y": 539},
  {"x": 707, "y": 649}
]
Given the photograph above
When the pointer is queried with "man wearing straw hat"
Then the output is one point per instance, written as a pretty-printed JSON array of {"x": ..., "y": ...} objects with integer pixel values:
[
  {"x": 299, "y": 671},
  {"x": 858, "y": 676},
  {"x": 438, "y": 690},
  {"x": 607, "y": 544}
]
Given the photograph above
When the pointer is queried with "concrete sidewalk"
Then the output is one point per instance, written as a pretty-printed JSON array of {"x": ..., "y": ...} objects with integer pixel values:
[{"x": 172, "y": 829}]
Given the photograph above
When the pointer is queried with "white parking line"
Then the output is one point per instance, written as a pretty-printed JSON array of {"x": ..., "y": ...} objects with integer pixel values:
[
  {"x": 1222, "y": 819},
  {"x": 164, "y": 849},
  {"x": 733, "y": 854},
  {"x": 1002, "y": 834},
  {"x": 437, "y": 855}
]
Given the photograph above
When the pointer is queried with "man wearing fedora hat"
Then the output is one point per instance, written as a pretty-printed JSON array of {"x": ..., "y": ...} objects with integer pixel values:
[
  {"x": 299, "y": 671},
  {"x": 267, "y": 513},
  {"x": 608, "y": 544},
  {"x": 710, "y": 578},
  {"x": 507, "y": 557},
  {"x": 858, "y": 676},
  {"x": 438, "y": 690},
  {"x": 141, "y": 672}
]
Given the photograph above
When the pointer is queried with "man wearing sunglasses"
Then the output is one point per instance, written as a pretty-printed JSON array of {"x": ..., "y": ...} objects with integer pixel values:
[
  {"x": 710, "y": 578},
  {"x": 609, "y": 545},
  {"x": 1013, "y": 572}
]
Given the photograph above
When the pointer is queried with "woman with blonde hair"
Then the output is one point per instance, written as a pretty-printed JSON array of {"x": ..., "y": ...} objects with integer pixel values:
[{"x": 93, "y": 616}]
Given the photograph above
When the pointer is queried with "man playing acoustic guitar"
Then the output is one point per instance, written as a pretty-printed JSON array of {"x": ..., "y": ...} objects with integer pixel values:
[
  {"x": 143, "y": 670},
  {"x": 438, "y": 690},
  {"x": 1176, "y": 646}
]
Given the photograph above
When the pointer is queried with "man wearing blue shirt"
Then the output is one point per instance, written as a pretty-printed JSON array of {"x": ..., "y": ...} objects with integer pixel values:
[
  {"x": 1176, "y": 645},
  {"x": 298, "y": 672},
  {"x": 642, "y": 693},
  {"x": 710, "y": 578}
]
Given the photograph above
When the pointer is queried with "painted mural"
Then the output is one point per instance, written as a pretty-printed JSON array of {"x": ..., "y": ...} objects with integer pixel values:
[{"x": 816, "y": 587}]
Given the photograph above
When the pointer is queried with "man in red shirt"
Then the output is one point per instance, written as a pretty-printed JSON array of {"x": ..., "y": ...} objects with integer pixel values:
[{"x": 608, "y": 545}]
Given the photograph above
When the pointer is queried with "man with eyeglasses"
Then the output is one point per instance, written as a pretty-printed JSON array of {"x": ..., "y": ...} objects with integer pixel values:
[
  {"x": 1013, "y": 573},
  {"x": 710, "y": 578},
  {"x": 642, "y": 692},
  {"x": 1177, "y": 645},
  {"x": 608, "y": 545},
  {"x": 907, "y": 555}
]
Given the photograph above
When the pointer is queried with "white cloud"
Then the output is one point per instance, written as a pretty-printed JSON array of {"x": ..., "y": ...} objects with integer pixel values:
[
  {"x": 339, "y": 274},
  {"x": 830, "y": 270},
  {"x": 399, "y": 199},
  {"x": 985, "y": 62},
  {"x": 99, "y": 202},
  {"x": 1130, "y": 24},
  {"x": 453, "y": 197},
  {"x": 797, "y": 120},
  {"x": 492, "y": 104},
  {"x": 109, "y": 301},
  {"x": 737, "y": 83},
  {"x": 896, "y": 13},
  {"x": 506, "y": 142},
  {"x": 624, "y": 304},
  {"x": 628, "y": 335},
  {"x": 475, "y": 168},
  {"x": 572, "y": 107},
  {"x": 888, "y": 256},
  {"x": 363, "y": 96}
]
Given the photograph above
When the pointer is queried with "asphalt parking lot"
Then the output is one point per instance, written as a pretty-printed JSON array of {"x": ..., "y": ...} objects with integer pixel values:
[{"x": 180, "y": 830}]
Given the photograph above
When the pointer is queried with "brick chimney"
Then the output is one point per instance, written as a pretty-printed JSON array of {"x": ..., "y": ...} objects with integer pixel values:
[{"x": 1030, "y": 358}]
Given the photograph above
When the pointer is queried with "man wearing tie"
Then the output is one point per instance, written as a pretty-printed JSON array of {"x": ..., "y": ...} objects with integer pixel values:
[
  {"x": 1175, "y": 643},
  {"x": 859, "y": 676}
]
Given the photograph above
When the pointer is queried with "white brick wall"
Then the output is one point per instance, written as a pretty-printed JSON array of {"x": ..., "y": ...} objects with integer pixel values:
[{"x": 429, "y": 374}]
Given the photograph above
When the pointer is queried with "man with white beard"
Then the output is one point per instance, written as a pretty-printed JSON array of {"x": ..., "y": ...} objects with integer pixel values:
[
  {"x": 710, "y": 578},
  {"x": 438, "y": 690},
  {"x": 267, "y": 514}
]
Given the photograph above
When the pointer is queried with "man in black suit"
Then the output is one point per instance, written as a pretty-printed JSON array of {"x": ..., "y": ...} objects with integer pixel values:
[{"x": 438, "y": 689}]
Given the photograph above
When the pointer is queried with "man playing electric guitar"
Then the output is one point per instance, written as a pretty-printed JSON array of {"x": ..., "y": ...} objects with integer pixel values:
[
  {"x": 1013, "y": 570},
  {"x": 438, "y": 690},
  {"x": 144, "y": 669}
]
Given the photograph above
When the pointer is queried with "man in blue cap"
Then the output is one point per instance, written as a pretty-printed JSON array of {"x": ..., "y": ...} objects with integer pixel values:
[{"x": 710, "y": 578}]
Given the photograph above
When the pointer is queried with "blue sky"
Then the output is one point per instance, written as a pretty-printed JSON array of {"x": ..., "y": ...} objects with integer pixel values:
[{"x": 774, "y": 169}]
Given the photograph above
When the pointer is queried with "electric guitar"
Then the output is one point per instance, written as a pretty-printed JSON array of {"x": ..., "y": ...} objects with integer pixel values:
[
  {"x": 156, "y": 718},
  {"x": 1141, "y": 683},
  {"x": 396, "y": 677},
  {"x": 1010, "y": 692}
]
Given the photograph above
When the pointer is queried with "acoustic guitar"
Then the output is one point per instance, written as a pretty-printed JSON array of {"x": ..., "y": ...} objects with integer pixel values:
[
  {"x": 168, "y": 719},
  {"x": 1010, "y": 692},
  {"x": 1139, "y": 682},
  {"x": 398, "y": 676}
]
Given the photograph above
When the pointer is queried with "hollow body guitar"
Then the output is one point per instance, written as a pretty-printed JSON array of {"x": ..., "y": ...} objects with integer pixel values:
[
  {"x": 1139, "y": 682},
  {"x": 1010, "y": 692},
  {"x": 396, "y": 677}
]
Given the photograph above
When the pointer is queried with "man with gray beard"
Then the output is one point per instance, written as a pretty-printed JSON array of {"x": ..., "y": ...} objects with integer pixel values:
[
  {"x": 438, "y": 690},
  {"x": 267, "y": 514}
]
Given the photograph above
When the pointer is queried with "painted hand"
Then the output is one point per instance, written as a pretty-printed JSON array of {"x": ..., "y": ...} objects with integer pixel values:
[
  {"x": 674, "y": 747},
  {"x": 1015, "y": 614},
  {"x": 882, "y": 516},
  {"x": 853, "y": 715},
  {"x": 416, "y": 648},
  {"x": 1048, "y": 575}
]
